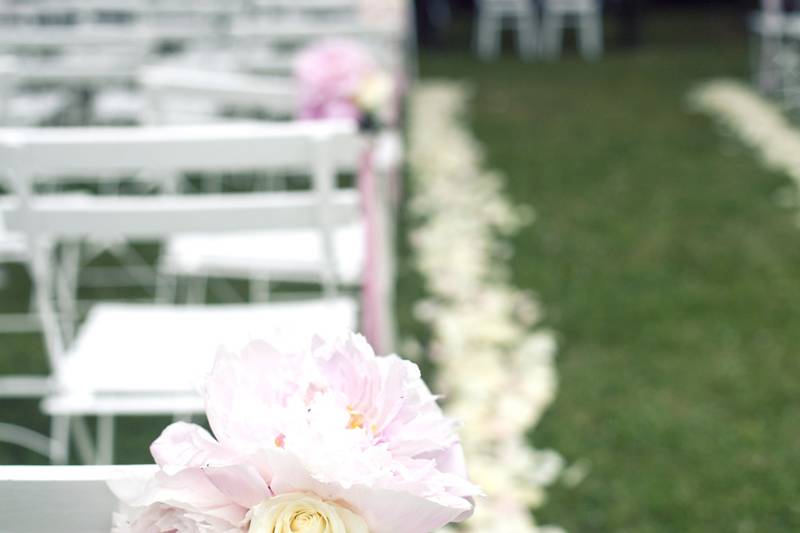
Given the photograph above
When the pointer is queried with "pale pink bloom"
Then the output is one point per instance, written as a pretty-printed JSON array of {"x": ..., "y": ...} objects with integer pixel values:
[
  {"x": 330, "y": 419},
  {"x": 329, "y": 74},
  {"x": 162, "y": 518}
]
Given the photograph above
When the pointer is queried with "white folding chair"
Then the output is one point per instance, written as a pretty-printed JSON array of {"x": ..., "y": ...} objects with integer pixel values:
[
  {"x": 584, "y": 15},
  {"x": 267, "y": 256},
  {"x": 270, "y": 256},
  {"x": 178, "y": 94},
  {"x": 776, "y": 51},
  {"x": 69, "y": 499},
  {"x": 491, "y": 17},
  {"x": 144, "y": 359}
]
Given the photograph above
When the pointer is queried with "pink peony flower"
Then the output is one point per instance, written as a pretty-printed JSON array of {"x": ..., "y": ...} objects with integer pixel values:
[
  {"x": 329, "y": 75},
  {"x": 330, "y": 419}
]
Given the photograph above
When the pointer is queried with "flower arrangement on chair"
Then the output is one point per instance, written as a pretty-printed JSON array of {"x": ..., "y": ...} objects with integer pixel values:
[
  {"x": 338, "y": 78},
  {"x": 324, "y": 438}
]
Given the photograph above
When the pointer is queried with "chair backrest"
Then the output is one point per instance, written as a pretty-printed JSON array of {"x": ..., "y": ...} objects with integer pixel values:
[
  {"x": 386, "y": 42},
  {"x": 224, "y": 147},
  {"x": 67, "y": 499},
  {"x": 165, "y": 84},
  {"x": 48, "y": 219}
]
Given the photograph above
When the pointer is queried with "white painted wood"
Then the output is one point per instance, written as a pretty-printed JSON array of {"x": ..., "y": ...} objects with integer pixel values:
[
  {"x": 168, "y": 87},
  {"x": 19, "y": 386},
  {"x": 224, "y": 147},
  {"x": 142, "y": 360},
  {"x": 26, "y": 438},
  {"x": 154, "y": 217},
  {"x": 67, "y": 499},
  {"x": 127, "y": 349},
  {"x": 288, "y": 254}
]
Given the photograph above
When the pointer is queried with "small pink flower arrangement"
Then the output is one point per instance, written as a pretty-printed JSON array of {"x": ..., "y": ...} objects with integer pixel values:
[
  {"x": 325, "y": 438},
  {"x": 338, "y": 78}
]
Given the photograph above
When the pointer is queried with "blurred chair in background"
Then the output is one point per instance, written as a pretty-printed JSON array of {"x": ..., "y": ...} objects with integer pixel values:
[
  {"x": 585, "y": 16},
  {"x": 776, "y": 51},
  {"x": 490, "y": 20},
  {"x": 768, "y": 27},
  {"x": 91, "y": 51}
]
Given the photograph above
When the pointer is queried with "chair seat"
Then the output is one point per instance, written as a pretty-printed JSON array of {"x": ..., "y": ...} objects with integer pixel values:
[
  {"x": 148, "y": 359},
  {"x": 35, "y": 108},
  {"x": 118, "y": 105},
  {"x": 290, "y": 255}
]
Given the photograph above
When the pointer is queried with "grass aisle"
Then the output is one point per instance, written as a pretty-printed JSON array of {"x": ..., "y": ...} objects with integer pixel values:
[{"x": 671, "y": 275}]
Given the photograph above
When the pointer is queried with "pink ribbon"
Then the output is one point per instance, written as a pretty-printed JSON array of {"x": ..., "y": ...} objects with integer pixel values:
[{"x": 371, "y": 320}]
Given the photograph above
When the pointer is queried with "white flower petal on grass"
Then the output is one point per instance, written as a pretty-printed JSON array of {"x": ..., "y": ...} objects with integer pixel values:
[{"x": 496, "y": 374}]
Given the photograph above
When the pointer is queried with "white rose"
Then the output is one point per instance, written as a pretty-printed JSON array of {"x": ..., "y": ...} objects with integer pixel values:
[
  {"x": 303, "y": 513},
  {"x": 375, "y": 93}
]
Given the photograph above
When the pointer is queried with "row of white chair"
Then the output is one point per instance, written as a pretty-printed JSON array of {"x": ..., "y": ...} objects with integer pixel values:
[
  {"x": 103, "y": 61},
  {"x": 143, "y": 359},
  {"x": 532, "y": 38}
]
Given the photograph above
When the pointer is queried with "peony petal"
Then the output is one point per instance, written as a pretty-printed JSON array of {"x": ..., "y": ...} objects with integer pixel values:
[
  {"x": 385, "y": 511},
  {"x": 188, "y": 445},
  {"x": 188, "y": 490},
  {"x": 241, "y": 483}
]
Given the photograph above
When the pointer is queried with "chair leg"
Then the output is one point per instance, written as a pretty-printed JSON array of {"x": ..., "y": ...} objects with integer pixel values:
[
  {"x": 196, "y": 293},
  {"x": 527, "y": 38},
  {"x": 59, "y": 440},
  {"x": 496, "y": 37},
  {"x": 768, "y": 73},
  {"x": 552, "y": 29},
  {"x": 83, "y": 441},
  {"x": 166, "y": 288},
  {"x": 260, "y": 290},
  {"x": 68, "y": 274},
  {"x": 105, "y": 440},
  {"x": 488, "y": 36},
  {"x": 591, "y": 36},
  {"x": 477, "y": 34}
]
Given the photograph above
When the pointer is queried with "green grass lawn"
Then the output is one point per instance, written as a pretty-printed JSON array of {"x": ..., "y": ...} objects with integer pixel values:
[
  {"x": 670, "y": 273},
  {"x": 665, "y": 265}
]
